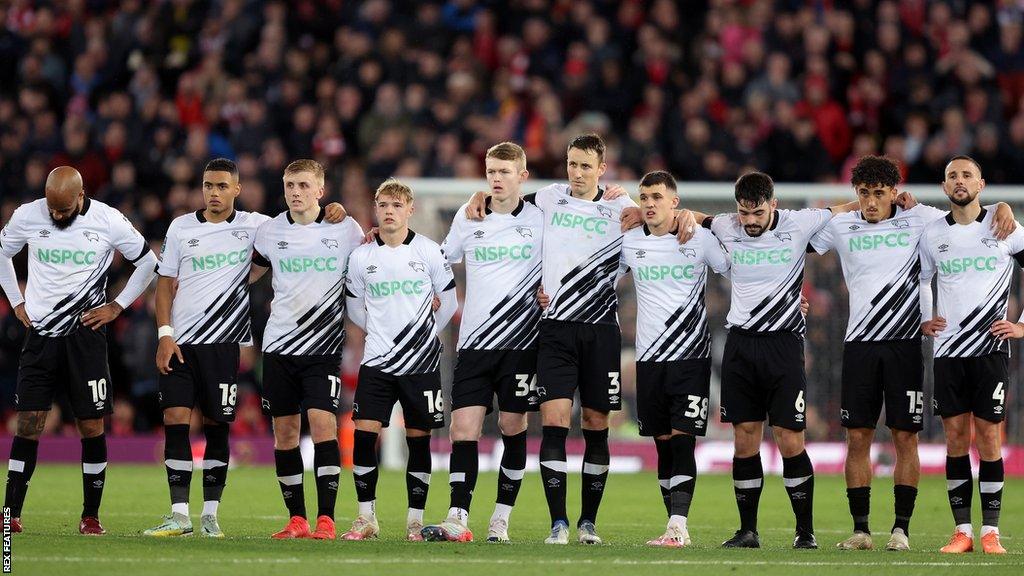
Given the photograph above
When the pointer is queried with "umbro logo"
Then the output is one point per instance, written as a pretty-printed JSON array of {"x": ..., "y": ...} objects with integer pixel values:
[
  {"x": 418, "y": 266},
  {"x": 371, "y": 269},
  {"x": 282, "y": 245},
  {"x": 240, "y": 234},
  {"x": 91, "y": 236},
  {"x": 640, "y": 254},
  {"x": 784, "y": 236},
  {"x": 997, "y": 409},
  {"x": 193, "y": 243},
  {"x": 990, "y": 242},
  {"x": 901, "y": 223},
  {"x": 100, "y": 405},
  {"x": 798, "y": 495},
  {"x": 417, "y": 490},
  {"x": 554, "y": 482},
  {"x": 332, "y": 485},
  {"x": 943, "y": 248},
  {"x": 329, "y": 242},
  {"x": 44, "y": 233},
  {"x": 438, "y": 417},
  {"x": 524, "y": 231},
  {"x": 562, "y": 201},
  {"x": 597, "y": 485},
  {"x": 228, "y": 410},
  {"x": 698, "y": 423},
  {"x": 478, "y": 234},
  {"x": 956, "y": 500},
  {"x": 917, "y": 418},
  {"x": 799, "y": 417},
  {"x": 854, "y": 227},
  {"x": 211, "y": 478},
  {"x": 994, "y": 504},
  {"x": 97, "y": 484},
  {"x": 688, "y": 252},
  {"x": 605, "y": 212}
]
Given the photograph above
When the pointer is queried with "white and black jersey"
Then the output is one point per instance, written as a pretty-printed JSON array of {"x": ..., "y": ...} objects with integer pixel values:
[
  {"x": 974, "y": 271},
  {"x": 67, "y": 268},
  {"x": 503, "y": 270},
  {"x": 670, "y": 280},
  {"x": 308, "y": 262},
  {"x": 882, "y": 270},
  {"x": 767, "y": 271},
  {"x": 211, "y": 261},
  {"x": 396, "y": 286},
  {"x": 582, "y": 240}
]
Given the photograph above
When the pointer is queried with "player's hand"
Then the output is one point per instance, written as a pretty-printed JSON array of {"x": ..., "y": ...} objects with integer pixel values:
[
  {"x": 906, "y": 200},
  {"x": 22, "y": 315},
  {"x": 686, "y": 225},
  {"x": 435, "y": 303},
  {"x": 371, "y": 235},
  {"x": 805, "y": 305},
  {"x": 933, "y": 326},
  {"x": 334, "y": 213},
  {"x": 164, "y": 350},
  {"x": 630, "y": 218},
  {"x": 1003, "y": 223},
  {"x": 614, "y": 191},
  {"x": 101, "y": 316},
  {"x": 477, "y": 208},
  {"x": 1004, "y": 329},
  {"x": 542, "y": 298}
]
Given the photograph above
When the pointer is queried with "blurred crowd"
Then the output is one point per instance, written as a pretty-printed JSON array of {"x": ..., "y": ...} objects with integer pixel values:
[{"x": 138, "y": 95}]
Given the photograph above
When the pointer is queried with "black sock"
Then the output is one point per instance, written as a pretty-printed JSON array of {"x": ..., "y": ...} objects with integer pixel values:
[
  {"x": 904, "y": 504},
  {"x": 959, "y": 487},
  {"x": 289, "y": 478},
  {"x": 595, "y": 473},
  {"x": 327, "y": 466},
  {"x": 990, "y": 484},
  {"x": 178, "y": 461},
  {"x": 664, "y": 448},
  {"x": 364, "y": 466},
  {"x": 860, "y": 507},
  {"x": 513, "y": 467},
  {"x": 94, "y": 474},
  {"x": 19, "y": 472},
  {"x": 464, "y": 465},
  {"x": 684, "y": 474},
  {"x": 798, "y": 475},
  {"x": 417, "y": 472},
  {"x": 552, "y": 471},
  {"x": 215, "y": 461},
  {"x": 747, "y": 480}
]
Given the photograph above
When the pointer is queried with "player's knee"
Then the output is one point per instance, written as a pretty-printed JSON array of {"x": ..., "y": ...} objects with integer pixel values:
[
  {"x": 416, "y": 433},
  {"x": 790, "y": 442},
  {"x": 511, "y": 424},
  {"x": 859, "y": 439},
  {"x": 368, "y": 426},
  {"x": 594, "y": 420},
  {"x": 31, "y": 424},
  {"x": 904, "y": 440},
  {"x": 464, "y": 432},
  {"x": 286, "y": 432},
  {"x": 90, "y": 428},
  {"x": 177, "y": 416}
]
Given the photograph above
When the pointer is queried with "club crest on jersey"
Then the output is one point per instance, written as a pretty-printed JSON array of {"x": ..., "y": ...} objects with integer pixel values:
[
  {"x": 944, "y": 248},
  {"x": 901, "y": 223},
  {"x": 478, "y": 234},
  {"x": 562, "y": 201},
  {"x": 91, "y": 236},
  {"x": 524, "y": 231},
  {"x": 640, "y": 254},
  {"x": 418, "y": 266},
  {"x": 688, "y": 252},
  {"x": 371, "y": 269},
  {"x": 329, "y": 242},
  {"x": 266, "y": 404},
  {"x": 193, "y": 243},
  {"x": 990, "y": 242},
  {"x": 604, "y": 212},
  {"x": 282, "y": 245},
  {"x": 784, "y": 236},
  {"x": 44, "y": 233},
  {"x": 844, "y": 414},
  {"x": 240, "y": 234},
  {"x": 854, "y": 227}
]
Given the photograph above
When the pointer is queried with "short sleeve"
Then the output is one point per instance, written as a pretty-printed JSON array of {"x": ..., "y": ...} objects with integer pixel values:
[
  {"x": 928, "y": 213},
  {"x": 441, "y": 272},
  {"x": 714, "y": 253},
  {"x": 1015, "y": 243},
  {"x": 14, "y": 234},
  {"x": 546, "y": 196},
  {"x": 125, "y": 238},
  {"x": 811, "y": 220},
  {"x": 354, "y": 281},
  {"x": 452, "y": 245},
  {"x": 170, "y": 253},
  {"x": 720, "y": 225},
  {"x": 824, "y": 240}
]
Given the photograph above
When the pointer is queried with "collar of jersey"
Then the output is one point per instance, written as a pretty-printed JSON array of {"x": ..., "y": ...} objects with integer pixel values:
[
  {"x": 892, "y": 214},
  {"x": 673, "y": 232},
  {"x": 201, "y": 218},
  {"x": 600, "y": 194},
  {"x": 518, "y": 208},
  {"x": 407, "y": 241},
  {"x": 981, "y": 216},
  {"x": 288, "y": 214},
  {"x": 85, "y": 206}
]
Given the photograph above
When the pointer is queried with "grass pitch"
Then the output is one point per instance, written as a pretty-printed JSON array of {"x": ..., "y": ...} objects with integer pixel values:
[{"x": 136, "y": 497}]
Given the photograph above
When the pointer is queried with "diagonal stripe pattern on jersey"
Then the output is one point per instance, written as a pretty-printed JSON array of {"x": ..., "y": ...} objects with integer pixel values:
[{"x": 512, "y": 322}]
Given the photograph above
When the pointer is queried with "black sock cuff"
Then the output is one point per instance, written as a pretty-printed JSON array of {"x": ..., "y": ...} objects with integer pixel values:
[
  {"x": 747, "y": 468},
  {"x": 958, "y": 467},
  {"x": 419, "y": 453},
  {"x": 904, "y": 490},
  {"x": 464, "y": 445},
  {"x": 684, "y": 440},
  {"x": 326, "y": 452},
  {"x": 94, "y": 450},
  {"x": 797, "y": 466},
  {"x": 24, "y": 449},
  {"x": 862, "y": 491},
  {"x": 555, "y": 432},
  {"x": 990, "y": 471},
  {"x": 177, "y": 445},
  {"x": 288, "y": 462},
  {"x": 216, "y": 432},
  {"x": 596, "y": 435},
  {"x": 365, "y": 436},
  {"x": 521, "y": 437}
]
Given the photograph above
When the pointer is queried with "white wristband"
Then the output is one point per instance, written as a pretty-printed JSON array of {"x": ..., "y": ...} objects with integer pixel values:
[{"x": 165, "y": 330}]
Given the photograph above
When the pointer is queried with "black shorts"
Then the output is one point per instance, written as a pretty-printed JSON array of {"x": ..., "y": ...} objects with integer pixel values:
[
  {"x": 511, "y": 375},
  {"x": 763, "y": 375},
  {"x": 892, "y": 372},
  {"x": 76, "y": 362},
  {"x": 208, "y": 379},
  {"x": 575, "y": 355},
  {"x": 673, "y": 396},
  {"x": 419, "y": 395},
  {"x": 292, "y": 384},
  {"x": 976, "y": 384}
]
